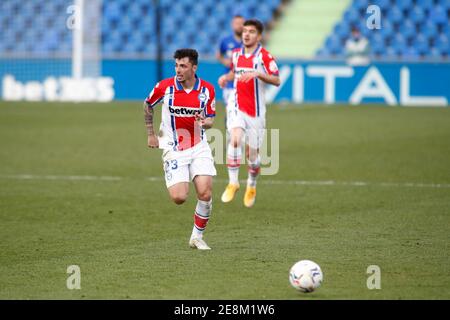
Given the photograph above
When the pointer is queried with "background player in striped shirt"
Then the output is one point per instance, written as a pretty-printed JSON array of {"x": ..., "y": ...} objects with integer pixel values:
[
  {"x": 251, "y": 68},
  {"x": 188, "y": 109},
  {"x": 226, "y": 47}
]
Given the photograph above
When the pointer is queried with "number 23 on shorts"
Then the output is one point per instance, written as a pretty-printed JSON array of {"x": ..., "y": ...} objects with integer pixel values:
[{"x": 170, "y": 165}]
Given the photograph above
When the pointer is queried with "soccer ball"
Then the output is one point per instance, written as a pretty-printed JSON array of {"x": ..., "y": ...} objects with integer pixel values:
[{"x": 305, "y": 276}]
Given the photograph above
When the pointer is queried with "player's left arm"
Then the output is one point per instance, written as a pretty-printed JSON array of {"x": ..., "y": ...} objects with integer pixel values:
[
  {"x": 270, "y": 75},
  {"x": 269, "y": 78},
  {"x": 206, "y": 119},
  {"x": 204, "y": 122}
]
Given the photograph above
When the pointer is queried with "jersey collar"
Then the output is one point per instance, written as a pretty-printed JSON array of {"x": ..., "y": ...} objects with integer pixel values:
[
  {"x": 178, "y": 85},
  {"x": 254, "y": 52}
]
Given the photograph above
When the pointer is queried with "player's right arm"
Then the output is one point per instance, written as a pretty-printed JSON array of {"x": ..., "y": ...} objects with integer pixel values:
[
  {"x": 230, "y": 75},
  {"x": 225, "y": 78},
  {"x": 153, "y": 99},
  {"x": 222, "y": 59}
]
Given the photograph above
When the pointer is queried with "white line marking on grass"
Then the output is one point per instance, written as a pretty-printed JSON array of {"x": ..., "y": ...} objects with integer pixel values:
[
  {"x": 357, "y": 183},
  {"x": 261, "y": 181},
  {"x": 54, "y": 177}
]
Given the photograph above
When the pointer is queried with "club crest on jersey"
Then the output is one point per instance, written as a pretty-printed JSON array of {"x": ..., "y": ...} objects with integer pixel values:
[
  {"x": 202, "y": 97},
  {"x": 273, "y": 66}
]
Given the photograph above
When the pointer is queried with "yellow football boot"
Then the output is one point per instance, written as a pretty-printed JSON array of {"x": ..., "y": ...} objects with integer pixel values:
[
  {"x": 230, "y": 192},
  {"x": 250, "y": 196}
]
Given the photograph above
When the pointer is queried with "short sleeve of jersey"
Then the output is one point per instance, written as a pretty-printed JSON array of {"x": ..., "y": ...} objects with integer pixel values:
[
  {"x": 210, "y": 110},
  {"x": 155, "y": 96},
  {"x": 269, "y": 64},
  {"x": 234, "y": 57}
]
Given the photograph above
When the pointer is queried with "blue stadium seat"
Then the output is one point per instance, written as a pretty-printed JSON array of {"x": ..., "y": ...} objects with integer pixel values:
[
  {"x": 410, "y": 53},
  {"x": 188, "y": 23},
  {"x": 425, "y": 4},
  {"x": 417, "y": 14},
  {"x": 169, "y": 24},
  {"x": 6, "y": 6},
  {"x": 114, "y": 36},
  {"x": 377, "y": 37},
  {"x": 442, "y": 43},
  {"x": 134, "y": 21},
  {"x": 334, "y": 45},
  {"x": 435, "y": 53},
  {"x": 135, "y": 10},
  {"x": 429, "y": 29},
  {"x": 438, "y": 15},
  {"x": 51, "y": 40},
  {"x": 22, "y": 47},
  {"x": 127, "y": 25},
  {"x": 387, "y": 29},
  {"x": 199, "y": 9},
  {"x": 360, "y": 4},
  {"x": 264, "y": 13},
  {"x": 147, "y": 23},
  {"x": 221, "y": 9},
  {"x": 112, "y": 11},
  {"x": 177, "y": 11},
  {"x": 399, "y": 43},
  {"x": 165, "y": 3},
  {"x": 378, "y": 45},
  {"x": 65, "y": 47},
  {"x": 137, "y": 38},
  {"x": 408, "y": 29},
  {"x": 150, "y": 48},
  {"x": 352, "y": 15},
  {"x": 40, "y": 48},
  {"x": 203, "y": 37},
  {"x": 169, "y": 49},
  {"x": 390, "y": 53},
  {"x": 395, "y": 15},
  {"x": 27, "y": 7},
  {"x": 445, "y": 29},
  {"x": 109, "y": 48},
  {"x": 182, "y": 38},
  {"x": 404, "y": 4},
  {"x": 383, "y": 4},
  {"x": 129, "y": 47},
  {"x": 342, "y": 29},
  {"x": 446, "y": 5},
  {"x": 421, "y": 43},
  {"x": 362, "y": 26},
  {"x": 273, "y": 4}
]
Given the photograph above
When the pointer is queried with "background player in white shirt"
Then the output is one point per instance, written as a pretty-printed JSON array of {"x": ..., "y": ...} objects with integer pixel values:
[
  {"x": 188, "y": 109},
  {"x": 252, "y": 67}
]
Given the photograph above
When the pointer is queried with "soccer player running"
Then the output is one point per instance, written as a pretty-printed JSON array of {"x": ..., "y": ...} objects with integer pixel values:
[
  {"x": 188, "y": 108},
  {"x": 251, "y": 68},
  {"x": 227, "y": 45}
]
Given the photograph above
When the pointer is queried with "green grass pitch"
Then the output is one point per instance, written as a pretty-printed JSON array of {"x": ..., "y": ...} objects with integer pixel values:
[{"x": 388, "y": 204}]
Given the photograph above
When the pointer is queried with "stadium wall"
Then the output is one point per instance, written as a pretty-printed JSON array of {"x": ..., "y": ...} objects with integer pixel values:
[{"x": 409, "y": 84}]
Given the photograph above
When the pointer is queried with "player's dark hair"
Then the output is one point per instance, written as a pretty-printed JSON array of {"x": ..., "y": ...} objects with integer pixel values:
[
  {"x": 256, "y": 23},
  {"x": 192, "y": 54}
]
